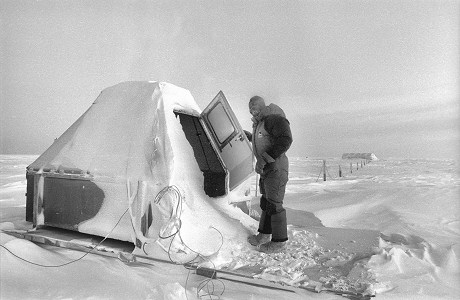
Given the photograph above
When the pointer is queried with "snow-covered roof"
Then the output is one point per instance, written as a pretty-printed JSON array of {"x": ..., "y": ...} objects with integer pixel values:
[{"x": 122, "y": 134}]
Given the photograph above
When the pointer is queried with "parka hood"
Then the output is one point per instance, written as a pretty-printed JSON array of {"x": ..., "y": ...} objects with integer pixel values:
[{"x": 271, "y": 109}]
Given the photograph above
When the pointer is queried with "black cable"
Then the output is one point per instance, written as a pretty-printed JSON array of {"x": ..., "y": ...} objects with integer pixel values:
[{"x": 210, "y": 293}]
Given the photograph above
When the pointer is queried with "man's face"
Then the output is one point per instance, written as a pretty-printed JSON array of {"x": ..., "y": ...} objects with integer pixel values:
[{"x": 255, "y": 108}]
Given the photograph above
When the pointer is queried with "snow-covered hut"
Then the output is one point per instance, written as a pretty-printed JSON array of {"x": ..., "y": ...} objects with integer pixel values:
[{"x": 129, "y": 158}]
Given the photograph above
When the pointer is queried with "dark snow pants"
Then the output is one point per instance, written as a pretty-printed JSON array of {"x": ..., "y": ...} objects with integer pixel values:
[{"x": 272, "y": 185}]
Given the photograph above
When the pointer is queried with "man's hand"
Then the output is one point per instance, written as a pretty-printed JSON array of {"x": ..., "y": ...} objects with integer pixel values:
[
  {"x": 260, "y": 166},
  {"x": 267, "y": 157}
]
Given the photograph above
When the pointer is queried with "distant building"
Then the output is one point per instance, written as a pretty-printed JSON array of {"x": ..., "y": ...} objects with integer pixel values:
[{"x": 368, "y": 156}]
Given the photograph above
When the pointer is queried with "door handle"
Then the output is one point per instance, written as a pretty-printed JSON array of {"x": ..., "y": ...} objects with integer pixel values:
[{"x": 240, "y": 138}]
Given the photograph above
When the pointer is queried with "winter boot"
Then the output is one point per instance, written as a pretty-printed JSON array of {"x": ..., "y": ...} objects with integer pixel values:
[
  {"x": 273, "y": 247},
  {"x": 259, "y": 239}
]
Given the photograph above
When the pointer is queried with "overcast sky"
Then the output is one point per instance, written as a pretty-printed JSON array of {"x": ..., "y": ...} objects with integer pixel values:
[{"x": 352, "y": 76}]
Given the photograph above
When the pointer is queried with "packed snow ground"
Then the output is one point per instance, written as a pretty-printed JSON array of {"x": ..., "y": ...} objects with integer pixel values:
[{"x": 414, "y": 203}]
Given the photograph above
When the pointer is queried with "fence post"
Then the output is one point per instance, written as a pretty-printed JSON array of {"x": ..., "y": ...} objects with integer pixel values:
[
  {"x": 324, "y": 169},
  {"x": 357, "y": 166},
  {"x": 361, "y": 164},
  {"x": 351, "y": 168},
  {"x": 340, "y": 171}
]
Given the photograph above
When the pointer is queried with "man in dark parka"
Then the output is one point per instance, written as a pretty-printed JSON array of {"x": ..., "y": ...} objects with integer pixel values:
[{"x": 271, "y": 138}]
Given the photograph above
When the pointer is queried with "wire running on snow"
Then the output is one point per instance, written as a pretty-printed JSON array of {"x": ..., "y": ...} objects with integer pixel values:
[
  {"x": 207, "y": 288},
  {"x": 72, "y": 261}
]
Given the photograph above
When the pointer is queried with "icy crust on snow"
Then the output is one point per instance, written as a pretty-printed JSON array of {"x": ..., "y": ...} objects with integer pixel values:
[
  {"x": 405, "y": 261},
  {"x": 305, "y": 263},
  {"x": 132, "y": 145}
]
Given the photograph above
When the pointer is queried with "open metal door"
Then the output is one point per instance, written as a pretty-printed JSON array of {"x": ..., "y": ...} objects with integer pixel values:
[{"x": 230, "y": 139}]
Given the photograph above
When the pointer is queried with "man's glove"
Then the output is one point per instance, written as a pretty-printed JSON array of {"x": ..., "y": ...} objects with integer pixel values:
[
  {"x": 267, "y": 157},
  {"x": 260, "y": 166}
]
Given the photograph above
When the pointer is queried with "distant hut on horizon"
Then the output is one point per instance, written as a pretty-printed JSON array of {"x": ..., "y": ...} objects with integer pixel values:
[{"x": 368, "y": 156}]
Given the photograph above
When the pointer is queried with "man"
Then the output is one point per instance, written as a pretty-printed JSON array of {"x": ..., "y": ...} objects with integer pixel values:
[{"x": 271, "y": 138}]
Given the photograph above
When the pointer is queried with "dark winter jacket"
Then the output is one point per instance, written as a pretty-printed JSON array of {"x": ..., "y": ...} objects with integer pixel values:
[{"x": 271, "y": 138}]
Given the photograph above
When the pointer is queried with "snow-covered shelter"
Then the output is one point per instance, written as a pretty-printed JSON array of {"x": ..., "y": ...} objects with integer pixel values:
[{"x": 126, "y": 159}]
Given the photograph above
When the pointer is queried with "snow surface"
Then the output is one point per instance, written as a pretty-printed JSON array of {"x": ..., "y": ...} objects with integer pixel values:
[{"x": 414, "y": 203}]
